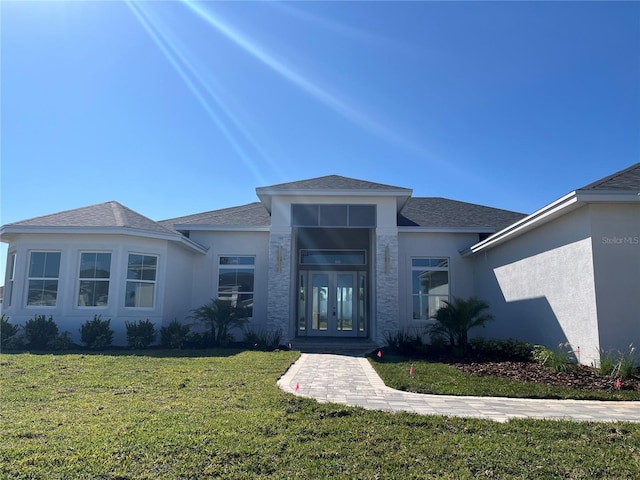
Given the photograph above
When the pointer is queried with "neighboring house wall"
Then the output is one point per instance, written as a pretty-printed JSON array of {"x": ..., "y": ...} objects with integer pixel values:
[
  {"x": 414, "y": 245},
  {"x": 616, "y": 253},
  {"x": 540, "y": 286},
  {"x": 66, "y": 313}
]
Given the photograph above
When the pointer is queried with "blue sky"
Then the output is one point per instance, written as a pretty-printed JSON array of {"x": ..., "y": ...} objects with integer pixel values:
[{"x": 173, "y": 108}]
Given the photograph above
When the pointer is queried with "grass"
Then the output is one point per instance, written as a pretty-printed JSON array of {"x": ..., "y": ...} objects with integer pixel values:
[
  {"x": 443, "y": 379},
  {"x": 219, "y": 414}
]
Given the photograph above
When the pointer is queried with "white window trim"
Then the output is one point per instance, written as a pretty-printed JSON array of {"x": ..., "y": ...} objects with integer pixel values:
[
  {"x": 79, "y": 280},
  {"x": 10, "y": 279},
  {"x": 412, "y": 269},
  {"x": 153, "y": 282},
  {"x": 238, "y": 267},
  {"x": 29, "y": 278}
]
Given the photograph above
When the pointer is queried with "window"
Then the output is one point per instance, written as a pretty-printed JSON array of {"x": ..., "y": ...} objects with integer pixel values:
[
  {"x": 95, "y": 270},
  {"x": 333, "y": 257},
  {"x": 141, "y": 281},
  {"x": 235, "y": 281},
  {"x": 11, "y": 272},
  {"x": 430, "y": 285},
  {"x": 317, "y": 215},
  {"x": 44, "y": 268}
]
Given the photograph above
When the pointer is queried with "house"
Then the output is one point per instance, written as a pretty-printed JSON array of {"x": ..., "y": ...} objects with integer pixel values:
[{"x": 344, "y": 259}]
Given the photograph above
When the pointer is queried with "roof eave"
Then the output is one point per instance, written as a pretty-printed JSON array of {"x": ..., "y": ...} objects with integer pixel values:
[
  {"x": 423, "y": 229},
  {"x": 554, "y": 210},
  {"x": 7, "y": 231},
  {"x": 222, "y": 228},
  {"x": 265, "y": 194}
]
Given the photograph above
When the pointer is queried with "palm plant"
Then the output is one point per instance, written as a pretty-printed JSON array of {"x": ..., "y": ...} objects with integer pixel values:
[
  {"x": 220, "y": 316},
  {"x": 456, "y": 317}
]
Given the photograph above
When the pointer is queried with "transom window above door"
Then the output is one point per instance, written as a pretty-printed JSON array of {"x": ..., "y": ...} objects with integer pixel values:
[
  {"x": 320, "y": 215},
  {"x": 333, "y": 257}
]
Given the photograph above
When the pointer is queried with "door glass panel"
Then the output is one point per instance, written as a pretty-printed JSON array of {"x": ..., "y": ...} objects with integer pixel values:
[
  {"x": 302, "y": 303},
  {"x": 344, "y": 302},
  {"x": 320, "y": 301},
  {"x": 361, "y": 301}
]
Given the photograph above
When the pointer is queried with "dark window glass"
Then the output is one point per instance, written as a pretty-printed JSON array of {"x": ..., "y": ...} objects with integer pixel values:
[
  {"x": 333, "y": 215},
  {"x": 304, "y": 215},
  {"x": 362, "y": 216}
]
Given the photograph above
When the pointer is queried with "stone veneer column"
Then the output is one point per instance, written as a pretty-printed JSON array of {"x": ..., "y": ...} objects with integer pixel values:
[
  {"x": 279, "y": 284},
  {"x": 387, "y": 308}
]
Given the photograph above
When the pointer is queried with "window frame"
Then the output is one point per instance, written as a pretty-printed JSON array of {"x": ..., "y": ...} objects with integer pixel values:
[
  {"x": 224, "y": 295},
  {"x": 428, "y": 268},
  {"x": 10, "y": 277},
  {"x": 44, "y": 278},
  {"x": 141, "y": 281},
  {"x": 94, "y": 279}
]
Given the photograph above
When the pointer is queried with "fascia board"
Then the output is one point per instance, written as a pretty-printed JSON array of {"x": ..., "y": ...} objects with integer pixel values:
[
  {"x": 446, "y": 229},
  {"x": 222, "y": 228},
  {"x": 401, "y": 194},
  {"x": 554, "y": 210},
  {"x": 38, "y": 230},
  {"x": 613, "y": 196}
]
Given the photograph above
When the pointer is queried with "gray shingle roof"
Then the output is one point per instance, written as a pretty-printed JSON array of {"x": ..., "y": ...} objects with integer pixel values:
[
  {"x": 627, "y": 179},
  {"x": 108, "y": 214},
  {"x": 250, "y": 215},
  {"x": 438, "y": 212},
  {"x": 332, "y": 182}
]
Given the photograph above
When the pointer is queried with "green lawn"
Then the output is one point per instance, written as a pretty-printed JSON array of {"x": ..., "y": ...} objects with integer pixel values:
[
  {"x": 219, "y": 414},
  {"x": 443, "y": 379}
]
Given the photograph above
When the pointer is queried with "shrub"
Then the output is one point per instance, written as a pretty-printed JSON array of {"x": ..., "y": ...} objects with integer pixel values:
[
  {"x": 219, "y": 316},
  {"x": 622, "y": 365},
  {"x": 261, "y": 339},
  {"x": 174, "y": 335},
  {"x": 140, "y": 334},
  {"x": 404, "y": 341},
  {"x": 61, "y": 342},
  {"x": 16, "y": 342},
  {"x": 607, "y": 363},
  {"x": 456, "y": 318},
  {"x": 559, "y": 359},
  {"x": 627, "y": 363},
  {"x": 7, "y": 330},
  {"x": 504, "y": 349},
  {"x": 39, "y": 331},
  {"x": 96, "y": 333}
]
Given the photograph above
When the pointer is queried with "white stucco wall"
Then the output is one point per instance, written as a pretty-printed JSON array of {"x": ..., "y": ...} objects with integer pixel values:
[
  {"x": 540, "y": 286},
  {"x": 205, "y": 270},
  {"x": 67, "y": 314},
  {"x": 434, "y": 244}
]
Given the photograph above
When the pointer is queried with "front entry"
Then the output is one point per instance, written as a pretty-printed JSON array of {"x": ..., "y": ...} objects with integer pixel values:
[{"x": 331, "y": 303}]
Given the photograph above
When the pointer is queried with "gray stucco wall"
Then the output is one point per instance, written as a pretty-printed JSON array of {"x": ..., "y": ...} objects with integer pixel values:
[
  {"x": 540, "y": 286},
  {"x": 616, "y": 252}
]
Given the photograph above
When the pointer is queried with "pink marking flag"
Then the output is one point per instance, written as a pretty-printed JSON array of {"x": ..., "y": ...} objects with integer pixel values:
[
  {"x": 297, "y": 387},
  {"x": 618, "y": 383},
  {"x": 411, "y": 371},
  {"x": 379, "y": 354}
]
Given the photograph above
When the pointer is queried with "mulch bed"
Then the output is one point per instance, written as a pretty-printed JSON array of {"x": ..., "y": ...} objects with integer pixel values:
[{"x": 578, "y": 376}]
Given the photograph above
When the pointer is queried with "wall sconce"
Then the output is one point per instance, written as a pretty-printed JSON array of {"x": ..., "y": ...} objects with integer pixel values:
[
  {"x": 279, "y": 258},
  {"x": 387, "y": 259}
]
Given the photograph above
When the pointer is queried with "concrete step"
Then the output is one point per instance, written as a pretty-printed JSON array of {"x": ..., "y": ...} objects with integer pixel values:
[{"x": 338, "y": 346}]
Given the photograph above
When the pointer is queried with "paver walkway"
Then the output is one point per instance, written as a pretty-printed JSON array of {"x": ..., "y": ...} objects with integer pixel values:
[{"x": 353, "y": 381}]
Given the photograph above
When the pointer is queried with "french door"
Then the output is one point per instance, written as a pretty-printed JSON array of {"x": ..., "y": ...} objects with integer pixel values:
[{"x": 331, "y": 303}]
